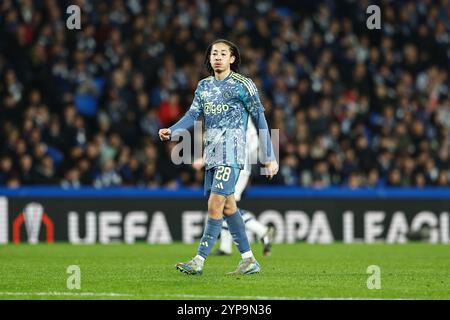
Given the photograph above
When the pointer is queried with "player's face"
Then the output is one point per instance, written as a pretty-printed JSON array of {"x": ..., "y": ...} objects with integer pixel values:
[{"x": 221, "y": 57}]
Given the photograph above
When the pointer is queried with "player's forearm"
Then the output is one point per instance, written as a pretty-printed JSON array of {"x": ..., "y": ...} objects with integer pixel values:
[
  {"x": 185, "y": 123},
  {"x": 263, "y": 130}
]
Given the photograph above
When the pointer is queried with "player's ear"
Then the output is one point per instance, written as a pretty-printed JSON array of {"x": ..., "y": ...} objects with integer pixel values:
[{"x": 232, "y": 59}]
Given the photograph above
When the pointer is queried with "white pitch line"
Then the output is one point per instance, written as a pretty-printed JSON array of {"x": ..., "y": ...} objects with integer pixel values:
[
  {"x": 74, "y": 294},
  {"x": 186, "y": 296}
]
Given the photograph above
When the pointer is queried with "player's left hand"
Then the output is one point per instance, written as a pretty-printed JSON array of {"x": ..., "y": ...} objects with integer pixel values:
[{"x": 271, "y": 169}]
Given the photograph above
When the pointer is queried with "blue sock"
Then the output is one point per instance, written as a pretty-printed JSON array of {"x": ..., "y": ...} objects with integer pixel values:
[
  {"x": 236, "y": 226},
  {"x": 210, "y": 235}
]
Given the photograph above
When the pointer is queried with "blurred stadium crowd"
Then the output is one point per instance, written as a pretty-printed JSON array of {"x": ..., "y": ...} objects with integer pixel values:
[{"x": 355, "y": 107}]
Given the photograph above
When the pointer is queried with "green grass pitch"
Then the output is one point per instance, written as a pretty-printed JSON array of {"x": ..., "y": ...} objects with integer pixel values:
[{"x": 293, "y": 271}]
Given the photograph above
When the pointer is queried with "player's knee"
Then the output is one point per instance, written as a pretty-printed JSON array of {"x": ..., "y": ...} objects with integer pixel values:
[
  {"x": 215, "y": 215},
  {"x": 215, "y": 207},
  {"x": 214, "y": 210},
  {"x": 229, "y": 211},
  {"x": 229, "y": 208}
]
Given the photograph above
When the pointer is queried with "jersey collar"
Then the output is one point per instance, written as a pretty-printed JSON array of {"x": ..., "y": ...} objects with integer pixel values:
[{"x": 226, "y": 78}]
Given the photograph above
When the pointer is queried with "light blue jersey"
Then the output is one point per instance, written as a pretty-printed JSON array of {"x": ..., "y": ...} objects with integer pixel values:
[{"x": 226, "y": 105}]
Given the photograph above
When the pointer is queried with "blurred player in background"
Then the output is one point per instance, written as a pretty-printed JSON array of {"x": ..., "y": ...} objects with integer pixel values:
[
  {"x": 263, "y": 233},
  {"x": 226, "y": 100}
]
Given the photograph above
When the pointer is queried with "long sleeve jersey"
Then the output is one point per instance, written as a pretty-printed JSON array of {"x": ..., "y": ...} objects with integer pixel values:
[{"x": 226, "y": 106}]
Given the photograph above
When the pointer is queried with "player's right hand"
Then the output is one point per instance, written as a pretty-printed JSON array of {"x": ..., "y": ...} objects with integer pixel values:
[
  {"x": 198, "y": 164},
  {"x": 164, "y": 134}
]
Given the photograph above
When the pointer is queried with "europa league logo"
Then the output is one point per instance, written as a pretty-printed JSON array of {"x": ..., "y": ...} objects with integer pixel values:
[{"x": 33, "y": 216}]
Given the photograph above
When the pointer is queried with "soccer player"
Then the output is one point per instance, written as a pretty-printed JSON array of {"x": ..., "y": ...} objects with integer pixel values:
[
  {"x": 264, "y": 233},
  {"x": 226, "y": 99}
]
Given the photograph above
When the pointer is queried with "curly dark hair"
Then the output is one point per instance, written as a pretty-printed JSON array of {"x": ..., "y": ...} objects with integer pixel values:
[{"x": 234, "y": 52}]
